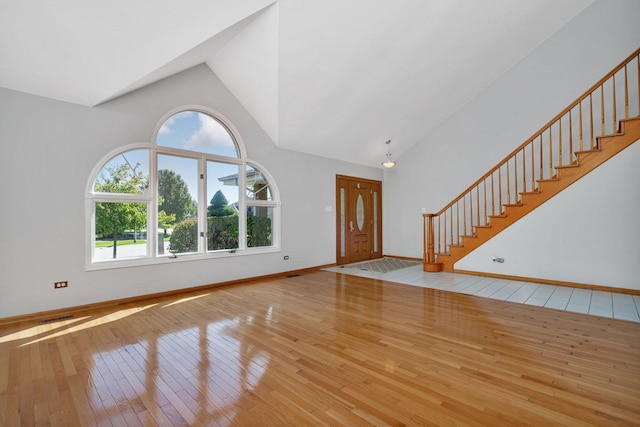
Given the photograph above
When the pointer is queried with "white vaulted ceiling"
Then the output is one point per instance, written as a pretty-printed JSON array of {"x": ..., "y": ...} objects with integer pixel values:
[{"x": 333, "y": 78}]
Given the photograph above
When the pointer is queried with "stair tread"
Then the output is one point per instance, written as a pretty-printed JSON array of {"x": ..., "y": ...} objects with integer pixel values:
[
  {"x": 498, "y": 216},
  {"x": 611, "y": 135},
  {"x": 513, "y": 204},
  {"x": 567, "y": 166},
  {"x": 524, "y": 193},
  {"x": 594, "y": 150}
]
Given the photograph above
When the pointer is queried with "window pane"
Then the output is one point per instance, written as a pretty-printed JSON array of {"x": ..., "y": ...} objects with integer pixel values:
[
  {"x": 126, "y": 173},
  {"x": 121, "y": 230},
  {"x": 259, "y": 226},
  {"x": 257, "y": 185},
  {"x": 177, "y": 206},
  {"x": 195, "y": 131},
  {"x": 222, "y": 211}
]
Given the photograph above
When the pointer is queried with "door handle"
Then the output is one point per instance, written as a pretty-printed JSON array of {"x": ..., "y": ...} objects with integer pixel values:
[{"x": 351, "y": 226}]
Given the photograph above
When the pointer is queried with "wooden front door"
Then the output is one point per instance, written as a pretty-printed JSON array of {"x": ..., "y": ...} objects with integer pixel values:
[{"x": 358, "y": 219}]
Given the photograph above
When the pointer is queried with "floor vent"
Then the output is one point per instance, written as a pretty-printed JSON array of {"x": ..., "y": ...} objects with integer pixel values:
[
  {"x": 292, "y": 275},
  {"x": 56, "y": 319}
]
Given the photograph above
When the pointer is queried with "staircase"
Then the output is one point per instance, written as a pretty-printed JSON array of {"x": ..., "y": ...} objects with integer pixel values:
[{"x": 597, "y": 126}]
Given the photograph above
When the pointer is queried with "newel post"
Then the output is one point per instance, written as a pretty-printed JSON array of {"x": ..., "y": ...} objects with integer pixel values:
[
  {"x": 429, "y": 262},
  {"x": 430, "y": 256}
]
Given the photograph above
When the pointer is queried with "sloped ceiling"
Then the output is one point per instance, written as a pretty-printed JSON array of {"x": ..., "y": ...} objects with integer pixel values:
[{"x": 332, "y": 78}]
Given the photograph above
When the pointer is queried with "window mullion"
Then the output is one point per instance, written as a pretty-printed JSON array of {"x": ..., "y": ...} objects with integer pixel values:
[
  {"x": 202, "y": 205},
  {"x": 242, "y": 206},
  {"x": 121, "y": 197},
  {"x": 253, "y": 202},
  {"x": 152, "y": 211}
]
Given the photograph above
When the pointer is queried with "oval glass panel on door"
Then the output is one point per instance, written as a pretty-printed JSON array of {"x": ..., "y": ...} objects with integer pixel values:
[{"x": 360, "y": 212}]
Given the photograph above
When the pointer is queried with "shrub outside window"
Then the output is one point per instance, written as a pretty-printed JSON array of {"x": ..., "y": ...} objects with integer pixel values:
[{"x": 185, "y": 196}]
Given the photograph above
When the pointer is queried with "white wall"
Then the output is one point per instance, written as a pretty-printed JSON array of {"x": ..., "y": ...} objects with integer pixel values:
[
  {"x": 47, "y": 151},
  {"x": 592, "y": 228},
  {"x": 503, "y": 116}
]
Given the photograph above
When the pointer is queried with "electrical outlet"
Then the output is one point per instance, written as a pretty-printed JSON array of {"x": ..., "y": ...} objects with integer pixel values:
[
  {"x": 59, "y": 285},
  {"x": 286, "y": 257}
]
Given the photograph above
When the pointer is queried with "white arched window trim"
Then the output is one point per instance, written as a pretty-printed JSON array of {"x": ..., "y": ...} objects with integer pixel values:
[{"x": 150, "y": 198}]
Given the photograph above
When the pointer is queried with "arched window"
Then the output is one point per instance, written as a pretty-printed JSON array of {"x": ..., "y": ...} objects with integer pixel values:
[{"x": 189, "y": 194}]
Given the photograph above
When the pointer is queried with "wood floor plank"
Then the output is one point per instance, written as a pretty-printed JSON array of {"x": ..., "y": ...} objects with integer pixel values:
[{"x": 324, "y": 349}]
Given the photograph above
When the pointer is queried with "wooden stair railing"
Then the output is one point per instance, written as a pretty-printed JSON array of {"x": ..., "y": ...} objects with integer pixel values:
[{"x": 598, "y": 125}]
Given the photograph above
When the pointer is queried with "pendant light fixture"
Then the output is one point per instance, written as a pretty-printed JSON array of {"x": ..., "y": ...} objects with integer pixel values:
[{"x": 388, "y": 163}]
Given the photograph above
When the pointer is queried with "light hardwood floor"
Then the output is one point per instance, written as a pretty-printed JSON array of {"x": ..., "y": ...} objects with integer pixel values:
[{"x": 322, "y": 348}]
